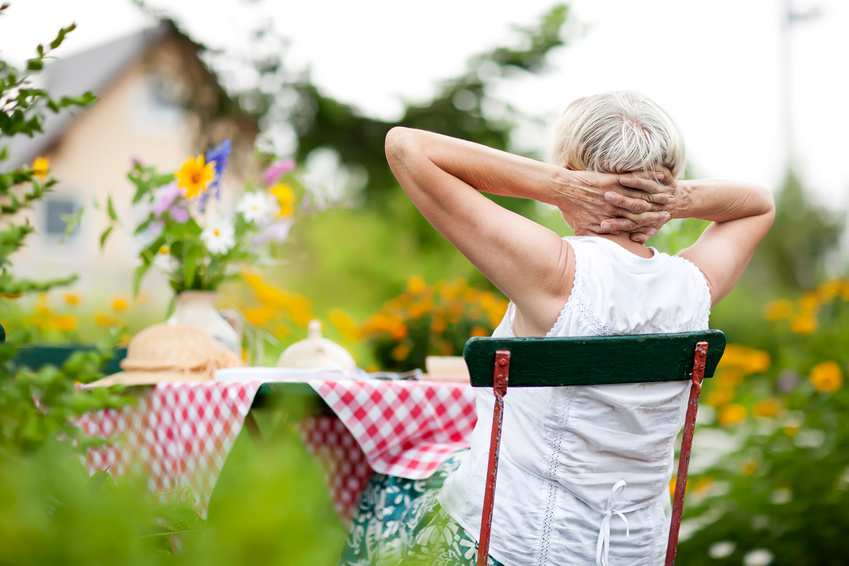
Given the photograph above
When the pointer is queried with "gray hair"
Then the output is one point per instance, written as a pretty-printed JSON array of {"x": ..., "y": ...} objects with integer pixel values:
[{"x": 617, "y": 132}]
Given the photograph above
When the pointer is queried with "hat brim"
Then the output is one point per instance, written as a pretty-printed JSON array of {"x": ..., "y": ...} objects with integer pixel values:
[{"x": 147, "y": 378}]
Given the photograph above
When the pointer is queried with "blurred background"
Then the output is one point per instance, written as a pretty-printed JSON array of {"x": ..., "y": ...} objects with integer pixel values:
[{"x": 758, "y": 89}]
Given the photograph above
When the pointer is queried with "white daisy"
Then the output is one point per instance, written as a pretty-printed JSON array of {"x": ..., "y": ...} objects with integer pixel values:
[
  {"x": 164, "y": 261},
  {"x": 759, "y": 557},
  {"x": 256, "y": 207},
  {"x": 219, "y": 237}
]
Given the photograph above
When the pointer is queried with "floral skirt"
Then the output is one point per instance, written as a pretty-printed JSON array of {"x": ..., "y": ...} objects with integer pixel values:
[{"x": 399, "y": 521}]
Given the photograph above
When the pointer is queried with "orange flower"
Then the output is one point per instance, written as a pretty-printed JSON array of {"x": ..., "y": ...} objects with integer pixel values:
[
  {"x": 767, "y": 408},
  {"x": 778, "y": 310},
  {"x": 401, "y": 351},
  {"x": 72, "y": 299},
  {"x": 804, "y": 324},
  {"x": 416, "y": 285},
  {"x": 732, "y": 414},
  {"x": 119, "y": 304},
  {"x": 826, "y": 377}
]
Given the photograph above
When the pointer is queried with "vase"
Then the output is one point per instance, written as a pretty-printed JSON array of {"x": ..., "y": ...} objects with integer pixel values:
[{"x": 197, "y": 308}]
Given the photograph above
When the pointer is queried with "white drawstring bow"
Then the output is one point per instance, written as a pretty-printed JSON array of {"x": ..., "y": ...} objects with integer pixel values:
[{"x": 602, "y": 547}]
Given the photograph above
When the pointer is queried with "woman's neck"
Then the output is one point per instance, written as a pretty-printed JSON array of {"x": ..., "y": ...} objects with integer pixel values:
[{"x": 625, "y": 241}]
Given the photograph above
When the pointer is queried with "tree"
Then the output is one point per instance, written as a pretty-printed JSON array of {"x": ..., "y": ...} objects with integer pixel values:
[{"x": 799, "y": 250}]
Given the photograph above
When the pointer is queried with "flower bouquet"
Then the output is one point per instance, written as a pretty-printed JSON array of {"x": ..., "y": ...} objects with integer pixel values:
[{"x": 189, "y": 236}]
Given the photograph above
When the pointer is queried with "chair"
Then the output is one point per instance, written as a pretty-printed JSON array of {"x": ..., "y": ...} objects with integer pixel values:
[{"x": 556, "y": 362}]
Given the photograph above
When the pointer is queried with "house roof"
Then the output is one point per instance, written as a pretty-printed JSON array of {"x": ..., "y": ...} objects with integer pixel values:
[{"x": 90, "y": 70}]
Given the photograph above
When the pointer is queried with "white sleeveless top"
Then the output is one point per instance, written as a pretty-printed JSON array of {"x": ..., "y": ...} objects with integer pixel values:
[{"x": 584, "y": 471}]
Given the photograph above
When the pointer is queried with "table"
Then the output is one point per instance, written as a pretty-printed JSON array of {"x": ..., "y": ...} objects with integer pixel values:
[{"x": 180, "y": 434}]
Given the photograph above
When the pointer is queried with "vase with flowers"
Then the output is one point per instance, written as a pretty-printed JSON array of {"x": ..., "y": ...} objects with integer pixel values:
[{"x": 196, "y": 240}]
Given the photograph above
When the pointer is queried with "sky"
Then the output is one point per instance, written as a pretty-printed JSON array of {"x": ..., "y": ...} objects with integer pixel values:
[{"x": 715, "y": 66}]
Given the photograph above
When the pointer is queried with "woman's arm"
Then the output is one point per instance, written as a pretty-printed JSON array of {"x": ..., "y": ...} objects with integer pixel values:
[
  {"x": 532, "y": 265},
  {"x": 741, "y": 215}
]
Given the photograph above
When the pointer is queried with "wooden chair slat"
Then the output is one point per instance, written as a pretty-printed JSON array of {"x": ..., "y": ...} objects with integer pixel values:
[{"x": 595, "y": 360}]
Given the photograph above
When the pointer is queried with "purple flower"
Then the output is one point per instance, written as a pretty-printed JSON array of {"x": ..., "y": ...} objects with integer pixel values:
[
  {"x": 180, "y": 214},
  {"x": 165, "y": 198},
  {"x": 218, "y": 155},
  {"x": 277, "y": 170}
]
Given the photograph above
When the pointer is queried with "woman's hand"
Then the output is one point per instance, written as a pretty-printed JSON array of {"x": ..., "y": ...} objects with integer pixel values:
[{"x": 601, "y": 203}]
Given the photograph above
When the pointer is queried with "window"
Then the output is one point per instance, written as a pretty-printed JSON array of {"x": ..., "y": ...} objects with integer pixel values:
[
  {"x": 156, "y": 105},
  {"x": 57, "y": 212}
]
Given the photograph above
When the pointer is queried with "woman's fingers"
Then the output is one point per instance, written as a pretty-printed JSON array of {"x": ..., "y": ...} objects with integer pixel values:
[
  {"x": 644, "y": 184},
  {"x": 637, "y": 201},
  {"x": 613, "y": 225}
]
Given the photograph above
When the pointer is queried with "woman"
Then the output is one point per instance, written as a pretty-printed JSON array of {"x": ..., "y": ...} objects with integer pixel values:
[{"x": 584, "y": 470}]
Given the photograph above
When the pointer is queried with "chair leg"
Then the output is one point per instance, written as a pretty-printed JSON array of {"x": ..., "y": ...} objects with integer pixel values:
[
  {"x": 698, "y": 376},
  {"x": 500, "y": 376}
]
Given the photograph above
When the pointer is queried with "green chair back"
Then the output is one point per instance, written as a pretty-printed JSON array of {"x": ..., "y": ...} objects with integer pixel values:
[{"x": 596, "y": 360}]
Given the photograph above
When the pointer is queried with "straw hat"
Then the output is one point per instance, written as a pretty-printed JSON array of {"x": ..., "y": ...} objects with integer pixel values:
[{"x": 170, "y": 352}]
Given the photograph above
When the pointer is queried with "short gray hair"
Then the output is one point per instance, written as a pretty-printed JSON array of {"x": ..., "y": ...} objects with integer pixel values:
[{"x": 617, "y": 132}]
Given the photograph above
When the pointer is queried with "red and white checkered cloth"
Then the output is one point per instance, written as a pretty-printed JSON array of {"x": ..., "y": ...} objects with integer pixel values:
[{"x": 180, "y": 434}]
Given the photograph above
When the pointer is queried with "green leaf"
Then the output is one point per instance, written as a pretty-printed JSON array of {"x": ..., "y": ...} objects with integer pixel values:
[
  {"x": 110, "y": 209},
  {"x": 35, "y": 64},
  {"x": 191, "y": 258},
  {"x": 139, "y": 274},
  {"x": 72, "y": 221},
  {"x": 104, "y": 236}
]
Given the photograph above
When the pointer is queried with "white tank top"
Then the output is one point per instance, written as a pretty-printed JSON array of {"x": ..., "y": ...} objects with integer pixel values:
[{"x": 574, "y": 460}]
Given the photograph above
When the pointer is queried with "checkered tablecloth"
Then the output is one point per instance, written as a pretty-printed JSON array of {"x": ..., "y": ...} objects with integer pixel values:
[{"x": 179, "y": 435}]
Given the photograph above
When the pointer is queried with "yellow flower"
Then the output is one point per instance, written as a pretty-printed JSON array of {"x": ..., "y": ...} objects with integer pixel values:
[
  {"x": 479, "y": 331},
  {"x": 401, "y": 351},
  {"x": 105, "y": 320},
  {"x": 749, "y": 467},
  {"x": 829, "y": 290},
  {"x": 345, "y": 324},
  {"x": 767, "y": 408},
  {"x": 720, "y": 396},
  {"x": 164, "y": 250},
  {"x": 791, "y": 429},
  {"x": 258, "y": 316},
  {"x": 732, "y": 414},
  {"x": 41, "y": 167},
  {"x": 702, "y": 484},
  {"x": 416, "y": 285},
  {"x": 804, "y": 324},
  {"x": 42, "y": 306},
  {"x": 778, "y": 310},
  {"x": 194, "y": 176},
  {"x": 809, "y": 302},
  {"x": 826, "y": 377},
  {"x": 285, "y": 197},
  {"x": 72, "y": 299},
  {"x": 757, "y": 362},
  {"x": 64, "y": 322},
  {"x": 119, "y": 304}
]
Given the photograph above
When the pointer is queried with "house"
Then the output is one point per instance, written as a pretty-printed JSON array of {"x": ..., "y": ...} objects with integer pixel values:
[{"x": 157, "y": 102}]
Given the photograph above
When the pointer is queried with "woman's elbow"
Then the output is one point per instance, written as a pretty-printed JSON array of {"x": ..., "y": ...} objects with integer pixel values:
[
  {"x": 767, "y": 202},
  {"x": 398, "y": 142}
]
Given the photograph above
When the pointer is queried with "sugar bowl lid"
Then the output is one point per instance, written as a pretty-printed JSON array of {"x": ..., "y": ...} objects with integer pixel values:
[{"x": 316, "y": 352}]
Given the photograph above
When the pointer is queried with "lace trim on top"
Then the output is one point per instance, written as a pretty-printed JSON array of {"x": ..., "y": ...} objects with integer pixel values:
[
  {"x": 570, "y": 301},
  {"x": 576, "y": 300}
]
